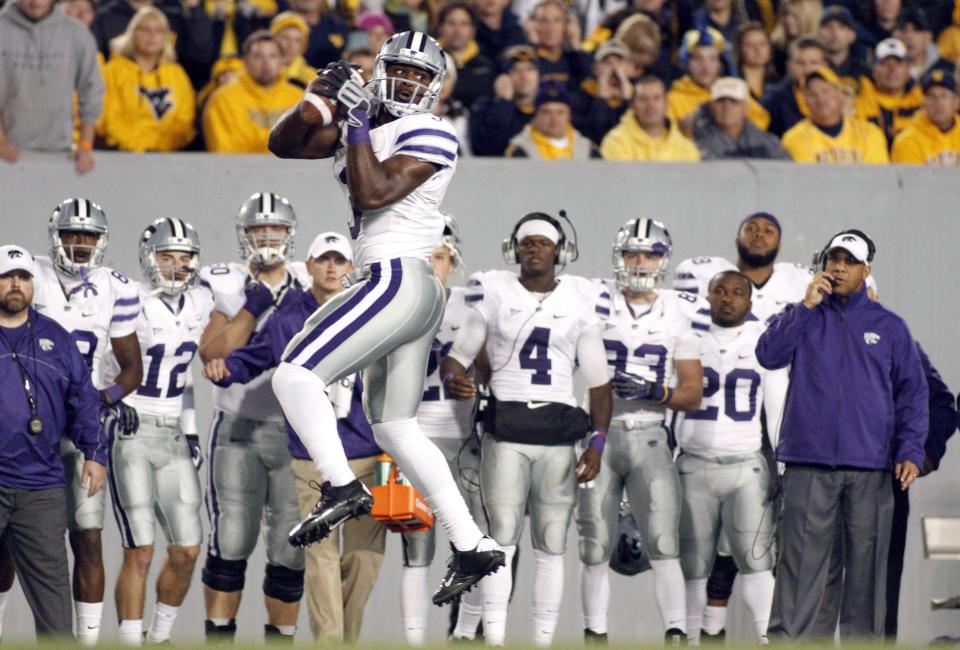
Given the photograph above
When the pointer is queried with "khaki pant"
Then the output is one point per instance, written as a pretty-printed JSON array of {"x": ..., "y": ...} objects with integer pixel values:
[{"x": 338, "y": 582}]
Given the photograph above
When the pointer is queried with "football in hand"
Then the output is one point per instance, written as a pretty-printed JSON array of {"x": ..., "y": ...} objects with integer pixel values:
[{"x": 316, "y": 108}]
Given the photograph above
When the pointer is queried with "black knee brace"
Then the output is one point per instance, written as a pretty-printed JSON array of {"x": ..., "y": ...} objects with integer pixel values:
[
  {"x": 283, "y": 583},
  {"x": 720, "y": 583},
  {"x": 224, "y": 575}
]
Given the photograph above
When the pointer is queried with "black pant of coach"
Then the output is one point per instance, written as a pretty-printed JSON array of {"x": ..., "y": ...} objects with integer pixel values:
[
  {"x": 33, "y": 524},
  {"x": 820, "y": 505}
]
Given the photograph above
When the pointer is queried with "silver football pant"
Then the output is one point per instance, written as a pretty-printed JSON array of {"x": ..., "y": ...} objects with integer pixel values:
[
  {"x": 248, "y": 480},
  {"x": 153, "y": 481},
  {"x": 539, "y": 480},
  {"x": 384, "y": 326},
  {"x": 638, "y": 460},
  {"x": 731, "y": 492},
  {"x": 83, "y": 512},
  {"x": 463, "y": 458}
]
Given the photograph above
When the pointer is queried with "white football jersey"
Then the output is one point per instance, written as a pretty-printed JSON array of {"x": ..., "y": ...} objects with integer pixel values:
[
  {"x": 643, "y": 340},
  {"x": 735, "y": 386},
  {"x": 786, "y": 285},
  {"x": 169, "y": 337},
  {"x": 254, "y": 401},
  {"x": 440, "y": 416},
  {"x": 412, "y": 226},
  {"x": 103, "y": 308},
  {"x": 532, "y": 338}
]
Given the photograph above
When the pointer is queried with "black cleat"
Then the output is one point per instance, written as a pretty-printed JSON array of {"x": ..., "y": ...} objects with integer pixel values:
[
  {"x": 220, "y": 634},
  {"x": 674, "y": 638},
  {"x": 336, "y": 505},
  {"x": 465, "y": 569},
  {"x": 594, "y": 638}
]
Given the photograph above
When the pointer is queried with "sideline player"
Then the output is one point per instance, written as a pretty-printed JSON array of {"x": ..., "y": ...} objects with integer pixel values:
[
  {"x": 723, "y": 473},
  {"x": 774, "y": 286},
  {"x": 153, "y": 474},
  {"x": 447, "y": 422},
  {"x": 394, "y": 160},
  {"x": 654, "y": 354},
  {"x": 99, "y": 307},
  {"x": 249, "y": 473},
  {"x": 536, "y": 328}
]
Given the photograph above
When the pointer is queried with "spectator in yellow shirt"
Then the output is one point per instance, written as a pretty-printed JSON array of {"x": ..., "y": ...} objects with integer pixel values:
[
  {"x": 239, "y": 116},
  {"x": 933, "y": 138},
  {"x": 291, "y": 31},
  {"x": 645, "y": 132},
  {"x": 828, "y": 136},
  {"x": 890, "y": 98},
  {"x": 550, "y": 135},
  {"x": 702, "y": 56},
  {"x": 149, "y": 101}
]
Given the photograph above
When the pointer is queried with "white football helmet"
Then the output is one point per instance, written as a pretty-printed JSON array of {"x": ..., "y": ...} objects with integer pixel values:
[
  {"x": 640, "y": 235},
  {"x": 262, "y": 209},
  {"x": 169, "y": 235},
  {"x": 417, "y": 50},
  {"x": 77, "y": 215}
]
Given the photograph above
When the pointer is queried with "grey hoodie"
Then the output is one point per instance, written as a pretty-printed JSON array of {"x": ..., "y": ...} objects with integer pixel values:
[{"x": 41, "y": 65}]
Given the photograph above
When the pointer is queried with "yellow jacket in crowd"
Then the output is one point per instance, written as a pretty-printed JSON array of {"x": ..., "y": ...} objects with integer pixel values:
[
  {"x": 238, "y": 116},
  {"x": 858, "y": 142},
  {"x": 146, "y": 111},
  {"x": 685, "y": 96},
  {"x": 923, "y": 143},
  {"x": 892, "y": 113},
  {"x": 299, "y": 71},
  {"x": 628, "y": 141},
  {"x": 949, "y": 40}
]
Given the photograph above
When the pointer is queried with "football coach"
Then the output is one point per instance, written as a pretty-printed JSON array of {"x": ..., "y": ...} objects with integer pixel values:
[
  {"x": 46, "y": 393},
  {"x": 856, "y": 410}
]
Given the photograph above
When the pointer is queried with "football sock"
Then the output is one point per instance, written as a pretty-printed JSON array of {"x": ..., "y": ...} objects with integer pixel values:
[
  {"x": 668, "y": 585},
  {"x": 424, "y": 464},
  {"x": 758, "y": 596},
  {"x": 714, "y": 619},
  {"x": 547, "y": 596},
  {"x": 414, "y": 603},
  {"x": 696, "y": 602},
  {"x": 471, "y": 611},
  {"x": 88, "y": 622},
  {"x": 310, "y": 413},
  {"x": 162, "y": 623},
  {"x": 131, "y": 632},
  {"x": 595, "y": 596},
  {"x": 496, "y": 594}
]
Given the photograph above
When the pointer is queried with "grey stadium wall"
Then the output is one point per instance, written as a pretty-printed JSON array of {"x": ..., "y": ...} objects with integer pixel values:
[{"x": 912, "y": 214}]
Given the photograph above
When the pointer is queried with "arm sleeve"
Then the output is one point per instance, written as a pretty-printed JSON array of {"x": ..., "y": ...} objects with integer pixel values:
[
  {"x": 470, "y": 339},
  {"x": 592, "y": 357},
  {"x": 126, "y": 307},
  {"x": 943, "y": 412},
  {"x": 775, "y": 383},
  {"x": 188, "y": 412},
  {"x": 82, "y": 409},
  {"x": 910, "y": 401},
  {"x": 261, "y": 354},
  {"x": 89, "y": 81},
  {"x": 778, "y": 344}
]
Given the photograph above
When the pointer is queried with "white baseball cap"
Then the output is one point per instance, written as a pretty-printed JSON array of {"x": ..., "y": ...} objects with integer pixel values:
[
  {"x": 730, "y": 88},
  {"x": 853, "y": 244},
  {"x": 16, "y": 258},
  {"x": 890, "y": 47},
  {"x": 330, "y": 241}
]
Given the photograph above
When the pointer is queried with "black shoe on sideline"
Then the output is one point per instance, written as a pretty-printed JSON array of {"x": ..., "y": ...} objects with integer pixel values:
[
  {"x": 674, "y": 638},
  {"x": 336, "y": 505},
  {"x": 220, "y": 634},
  {"x": 465, "y": 569},
  {"x": 594, "y": 638}
]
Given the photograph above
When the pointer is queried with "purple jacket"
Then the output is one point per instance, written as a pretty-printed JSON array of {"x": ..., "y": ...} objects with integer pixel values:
[
  {"x": 67, "y": 405},
  {"x": 858, "y": 395},
  {"x": 265, "y": 351}
]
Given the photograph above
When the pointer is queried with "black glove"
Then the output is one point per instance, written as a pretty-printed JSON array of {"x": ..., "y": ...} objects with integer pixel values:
[
  {"x": 259, "y": 298},
  {"x": 630, "y": 386},
  {"x": 334, "y": 76},
  {"x": 193, "y": 441},
  {"x": 119, "y": 419}
]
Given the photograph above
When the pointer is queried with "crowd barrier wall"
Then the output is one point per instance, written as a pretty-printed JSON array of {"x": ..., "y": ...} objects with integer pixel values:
[{"x": 911, "y": 213}]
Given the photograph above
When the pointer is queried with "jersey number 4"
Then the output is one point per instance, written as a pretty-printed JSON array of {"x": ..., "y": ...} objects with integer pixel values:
[
  {"x": 151, "y": 381},
  {"x": 533, "y": 356},
  {"x": 730, "y": 383}
]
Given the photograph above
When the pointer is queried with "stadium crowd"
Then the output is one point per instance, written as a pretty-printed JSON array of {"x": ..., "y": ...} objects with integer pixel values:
[{"x": 871, "y": 81}]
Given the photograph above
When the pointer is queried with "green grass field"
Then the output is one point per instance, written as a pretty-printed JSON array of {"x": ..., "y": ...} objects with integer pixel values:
[{"x": 51, "y": 645}]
